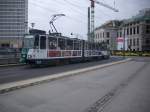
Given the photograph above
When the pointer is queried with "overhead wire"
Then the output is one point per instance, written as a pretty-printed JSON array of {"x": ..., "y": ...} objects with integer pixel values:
[
  {"x": 74, "y": 7},
  {"x": 96, "y": 16},
  {"x": 71, "y": 9},
  {"x": 82, "y": 14},
  {"x": 101, "y": 9},
  {"x": 68, "y": 17},
  {"x": 76, "y": 10},
  {"x": 78, "y": 6},
  {"x": 45, "y": 8},
  {"x": 49, "y": 9}
]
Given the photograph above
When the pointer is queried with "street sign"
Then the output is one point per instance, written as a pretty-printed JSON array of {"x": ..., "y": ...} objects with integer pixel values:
[{"x": 120, "y": 39}]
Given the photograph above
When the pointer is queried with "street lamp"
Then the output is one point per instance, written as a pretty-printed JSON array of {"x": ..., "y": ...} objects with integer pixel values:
[
  {"x": 32, "y": 25},
  {"x": 77, "y": 35}
]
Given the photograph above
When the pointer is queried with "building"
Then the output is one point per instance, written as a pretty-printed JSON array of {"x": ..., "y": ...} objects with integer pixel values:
[
  {"x": 107, "y": 33},
  {"x": 13, "y": 22},
  {"x": 136, "y": 31}
]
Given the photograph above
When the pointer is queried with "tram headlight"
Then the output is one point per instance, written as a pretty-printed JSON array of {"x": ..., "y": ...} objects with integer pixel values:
[
  {"x": 23, "y": 56},
  {"x": 29, "y": 56}
]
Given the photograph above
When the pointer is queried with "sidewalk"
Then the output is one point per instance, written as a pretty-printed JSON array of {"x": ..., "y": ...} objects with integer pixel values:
[{"x": 135, "y": 97}]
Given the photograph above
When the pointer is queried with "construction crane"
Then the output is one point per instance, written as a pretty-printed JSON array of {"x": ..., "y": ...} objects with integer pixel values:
[
  {"x": 52, "y": 26},
  {"x": 91, "y": 18}
]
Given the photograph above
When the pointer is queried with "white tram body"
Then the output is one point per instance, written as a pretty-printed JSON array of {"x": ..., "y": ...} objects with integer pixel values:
[{"x": 48, "y": 48}]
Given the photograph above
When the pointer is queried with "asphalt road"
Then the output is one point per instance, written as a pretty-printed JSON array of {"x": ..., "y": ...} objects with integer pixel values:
[
  {"x": 11, "y": 74},
  {"x": 119, "y": 88}
]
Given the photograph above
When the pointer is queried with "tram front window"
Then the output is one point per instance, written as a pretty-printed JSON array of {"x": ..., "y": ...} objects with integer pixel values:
[
  {"x": 36, "y": 42},
  {"x": 28, "y": 42},
  {"x": 40, "y": 42},
  {"x": 43, "y": 42}
]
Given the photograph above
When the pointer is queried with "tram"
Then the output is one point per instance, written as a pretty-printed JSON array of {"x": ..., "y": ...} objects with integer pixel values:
[{"x": 41, "y": 48}]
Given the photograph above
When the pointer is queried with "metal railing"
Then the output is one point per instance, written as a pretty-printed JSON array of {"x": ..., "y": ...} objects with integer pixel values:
[{"x": 9, "y": 56}]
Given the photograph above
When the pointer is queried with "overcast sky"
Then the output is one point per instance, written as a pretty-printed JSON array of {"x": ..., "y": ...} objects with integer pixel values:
[{"x": 75, "y": 21}]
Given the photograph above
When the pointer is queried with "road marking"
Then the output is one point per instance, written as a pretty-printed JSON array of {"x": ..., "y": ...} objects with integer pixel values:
[
  {"x": 7, "y": 65},
  {"x": 34, "y": 81}
]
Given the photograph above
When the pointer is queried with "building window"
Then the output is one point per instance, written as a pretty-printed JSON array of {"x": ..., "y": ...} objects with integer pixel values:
[
  {"x": 127, "y": 31},
  {"x": 134, "y": 30},
  {"x": 130, "y": 31},
  {"x": 120, "y": 34},
  {"x": 137, "y": 41},
  {"x": 108, "y": 34},
  {"x": 130, "y": 42},
  {"x": 147, "y": 41},
  {"x": 124, "y": 31},
  {"x": 117, "y": 34},
  {"x": 137, "y": 28},
  {"x": 148, "y": 29},
  {"x": 148, "y": 21},
  {"x": 5, "y": 45},
  {"x": 107, "y": 41},
  {"x": 133, "y": 42}
]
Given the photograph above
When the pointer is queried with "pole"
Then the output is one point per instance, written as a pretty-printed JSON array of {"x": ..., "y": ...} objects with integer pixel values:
[
  {"x": 92, "y": 20},
  {"x": 124, "y": 43},
  {"x": 89, "y": 28}
]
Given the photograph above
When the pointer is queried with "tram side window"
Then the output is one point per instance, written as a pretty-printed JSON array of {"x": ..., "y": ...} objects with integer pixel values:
[
  {"x": 36, "y": 42},
  {"x": 61, "y": 44},
  {"x": 69, "y": 44},
  {"x": 52, "y": 43},
  {"x": 76, "y": 45},
  {"x": 43, "y": 42},
  {"x": 86, "y": 45}
]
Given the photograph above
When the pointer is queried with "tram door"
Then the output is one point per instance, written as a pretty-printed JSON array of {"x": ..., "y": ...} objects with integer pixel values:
[{"x": 40, "y": 47}]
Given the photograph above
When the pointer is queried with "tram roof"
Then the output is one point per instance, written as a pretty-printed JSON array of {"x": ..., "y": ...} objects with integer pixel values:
[{"x": 64, "y": 37}]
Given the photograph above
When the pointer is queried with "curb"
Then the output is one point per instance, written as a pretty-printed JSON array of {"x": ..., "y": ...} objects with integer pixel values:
[
  {"x": 8, "y": 65},
  {"x": 35, "y": 81}
]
